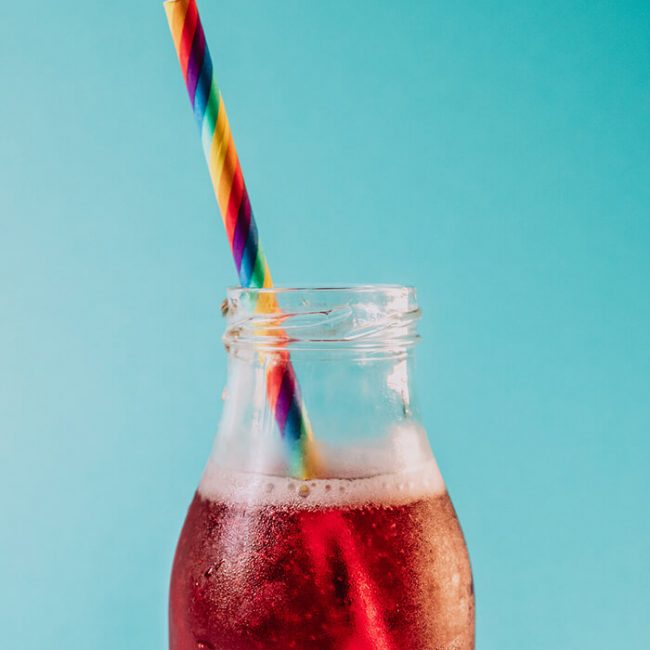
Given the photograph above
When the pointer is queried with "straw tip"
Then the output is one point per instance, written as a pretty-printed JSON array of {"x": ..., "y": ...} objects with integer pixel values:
[{"x": 175, "y": 8}]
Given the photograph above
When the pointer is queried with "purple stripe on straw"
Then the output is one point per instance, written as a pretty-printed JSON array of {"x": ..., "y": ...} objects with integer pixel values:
[
  {"x": 203, "y": 87},
  {"x": 285, "y": 398},
  {"x": 292, "y": 425},
  {"x": 242, "y": 228},
  {"x": 195, "y": 62}
]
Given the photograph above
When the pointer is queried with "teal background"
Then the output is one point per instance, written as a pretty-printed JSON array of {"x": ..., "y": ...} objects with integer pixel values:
[{"x": 496, "y": 155}]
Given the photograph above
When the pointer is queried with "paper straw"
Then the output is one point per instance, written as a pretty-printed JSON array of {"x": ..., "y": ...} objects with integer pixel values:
[{"x": 283, "y": 391}]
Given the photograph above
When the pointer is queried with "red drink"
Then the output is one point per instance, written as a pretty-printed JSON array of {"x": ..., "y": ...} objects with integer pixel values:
[{"x": 363, "y": 564}]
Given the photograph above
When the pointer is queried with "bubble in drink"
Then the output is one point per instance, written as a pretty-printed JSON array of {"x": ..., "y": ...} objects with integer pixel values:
[{"x": 367, "y": 567}]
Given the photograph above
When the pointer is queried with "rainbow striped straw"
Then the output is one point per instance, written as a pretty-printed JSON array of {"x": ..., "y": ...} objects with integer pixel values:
[{"x": 283, "y": 391}]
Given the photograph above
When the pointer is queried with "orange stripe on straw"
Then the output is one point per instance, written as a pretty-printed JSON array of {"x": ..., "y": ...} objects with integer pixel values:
[{"x": 176, "y": 12}]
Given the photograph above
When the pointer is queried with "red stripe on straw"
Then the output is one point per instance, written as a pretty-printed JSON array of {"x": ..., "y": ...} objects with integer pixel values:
[
  {"x": 241, "y": 229},
  {"x": 187, "y": 37},
  {"x": 274, "y": 377},
  {"x": 236, "y": 191}
]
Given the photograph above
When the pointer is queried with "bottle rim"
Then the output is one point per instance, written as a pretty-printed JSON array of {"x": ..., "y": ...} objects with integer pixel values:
[
  {"x": 386, "y": 288},
  {"x": 369, "y": 317}
]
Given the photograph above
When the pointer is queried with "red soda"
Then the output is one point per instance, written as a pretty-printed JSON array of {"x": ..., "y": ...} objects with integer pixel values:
[{"x": 361, "y": 564}]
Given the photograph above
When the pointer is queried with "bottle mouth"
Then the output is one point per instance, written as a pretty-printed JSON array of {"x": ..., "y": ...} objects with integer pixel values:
[{"x": 357, "y": 317}]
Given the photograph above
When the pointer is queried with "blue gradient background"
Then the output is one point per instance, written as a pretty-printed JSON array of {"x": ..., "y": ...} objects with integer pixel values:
[{"x": 495, "y": 155}]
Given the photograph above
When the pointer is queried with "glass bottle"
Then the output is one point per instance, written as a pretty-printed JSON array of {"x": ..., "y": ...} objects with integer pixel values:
[{"x": 367, "y": 553}]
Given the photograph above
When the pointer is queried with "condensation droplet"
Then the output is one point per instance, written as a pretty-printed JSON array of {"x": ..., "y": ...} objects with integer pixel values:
[{"x": 303, "y": 491}]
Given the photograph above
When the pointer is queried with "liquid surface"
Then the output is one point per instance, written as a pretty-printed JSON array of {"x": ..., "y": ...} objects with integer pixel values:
[{"x": 362, "y": 564}]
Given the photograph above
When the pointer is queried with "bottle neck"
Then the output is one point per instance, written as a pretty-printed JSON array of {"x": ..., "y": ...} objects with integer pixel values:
[
  {"x": 362, "y": 408},
  {"x": 319, "y": 382}
]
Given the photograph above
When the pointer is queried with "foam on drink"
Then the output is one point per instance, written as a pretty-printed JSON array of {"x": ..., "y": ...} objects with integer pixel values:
[{"x": 224, "y": 485}]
